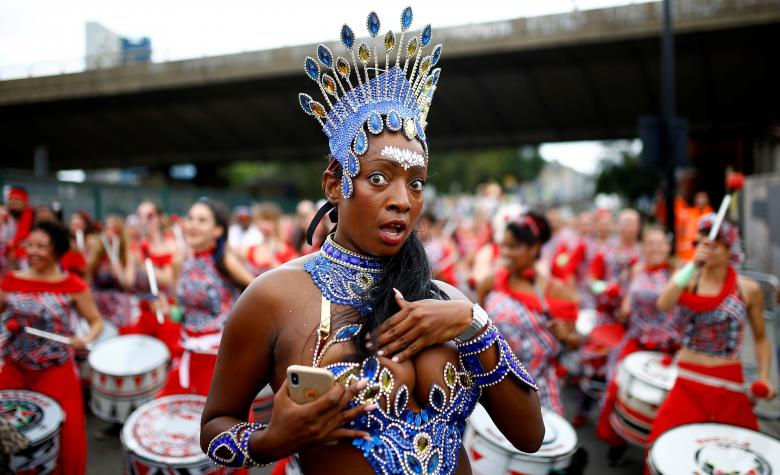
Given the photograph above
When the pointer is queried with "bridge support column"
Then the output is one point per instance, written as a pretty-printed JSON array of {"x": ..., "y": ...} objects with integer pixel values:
[{"x": 41, "y": 161}]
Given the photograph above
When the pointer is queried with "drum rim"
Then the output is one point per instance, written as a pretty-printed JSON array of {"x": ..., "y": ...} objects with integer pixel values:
[
  {"x": 134, "y": 447},
  {"x": 532, "y": 457},
  {"x": 156, "y": 341},
  {"x": 49, "y": 433},
  {"x": 706, "y": 423}
]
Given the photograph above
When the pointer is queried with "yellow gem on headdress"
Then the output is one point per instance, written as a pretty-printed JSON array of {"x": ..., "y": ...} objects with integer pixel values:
[
  {"x": 411, "y": 48},
  {"x": 329, "y": 84},
  {"x": 389, "y": 41},
  {"x": 428, "y": 83},
  {"x": 363, "y": 53},
  {"x": 425, "y": 65},
  {"x": 342, "y": 66},
  {"x": 370, "y": 394},
  {"x": 318, "y": 109},
  {"x": 410, "y": 128}
]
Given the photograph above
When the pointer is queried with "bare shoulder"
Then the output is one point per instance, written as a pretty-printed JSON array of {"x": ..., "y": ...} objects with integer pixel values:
[
  {"x": 452, "y": 292},
  {"x": 749, "y": 288}
]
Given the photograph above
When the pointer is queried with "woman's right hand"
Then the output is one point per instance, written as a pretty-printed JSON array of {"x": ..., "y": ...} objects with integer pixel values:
[
  {"x": 703, "y": 251},
  {"x": 295, "y": 426}
]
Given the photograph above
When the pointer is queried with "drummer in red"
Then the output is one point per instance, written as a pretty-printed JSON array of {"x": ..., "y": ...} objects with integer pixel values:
[
  {"x": 43, "y": 297},
  {"x": 648, "y": 328},
  {"x": 714, "y": 305},
  {"x": 210, "y": 282},
  {"x": 536, "y": 329}
]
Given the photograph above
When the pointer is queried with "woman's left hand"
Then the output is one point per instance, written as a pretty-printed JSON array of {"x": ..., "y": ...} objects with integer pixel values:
[
  {"x": 420, "y": 324},
  {"x": 78, "y": 344}
]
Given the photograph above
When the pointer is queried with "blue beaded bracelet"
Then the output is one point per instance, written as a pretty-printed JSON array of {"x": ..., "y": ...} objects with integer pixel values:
[
  {"x": 507, "y": 361},
  {"x": 236, "y": 442}
]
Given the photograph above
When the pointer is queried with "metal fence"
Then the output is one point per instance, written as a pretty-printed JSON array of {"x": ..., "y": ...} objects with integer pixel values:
[{"x": 101, "y": 199}]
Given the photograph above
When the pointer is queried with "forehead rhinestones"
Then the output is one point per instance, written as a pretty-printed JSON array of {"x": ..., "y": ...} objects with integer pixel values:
[{"x": 404, "y": 157}]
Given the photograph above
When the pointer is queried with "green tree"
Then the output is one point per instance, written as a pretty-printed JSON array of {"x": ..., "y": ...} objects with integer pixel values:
[{"x": 627, "y": 178}]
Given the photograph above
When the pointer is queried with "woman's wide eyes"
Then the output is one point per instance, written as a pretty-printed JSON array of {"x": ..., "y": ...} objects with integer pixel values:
[
  {"x": 417, "y": 185},
  {"x": 377, "y": 179}
]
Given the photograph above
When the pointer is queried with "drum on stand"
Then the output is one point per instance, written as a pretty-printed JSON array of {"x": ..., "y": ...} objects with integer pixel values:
[
  {"x": 714, "y": 448},
  {"x": 594, "y": 357},
  {"x": 39, "y": 418},
  {"x": 263, "y": 405},
  {"x": 491, "y": 453},
  {"x": 127, "y": 371},
  {"x": 162, "y": 436},
  {"x": 643, "y": 382}
]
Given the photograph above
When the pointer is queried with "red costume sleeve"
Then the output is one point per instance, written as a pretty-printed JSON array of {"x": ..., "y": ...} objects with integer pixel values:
[{"x": 71, "y": 284}]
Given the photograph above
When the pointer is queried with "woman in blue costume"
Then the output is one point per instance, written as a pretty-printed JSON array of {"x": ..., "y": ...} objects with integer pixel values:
[{"x": 412, "y": 356}]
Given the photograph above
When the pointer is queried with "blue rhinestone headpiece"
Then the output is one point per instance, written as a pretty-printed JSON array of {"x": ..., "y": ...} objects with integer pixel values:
[{"x": 384, "y": 98}]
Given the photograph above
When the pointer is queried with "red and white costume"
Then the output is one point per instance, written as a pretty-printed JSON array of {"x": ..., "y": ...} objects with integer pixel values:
[{"x": 42, "y": 365}]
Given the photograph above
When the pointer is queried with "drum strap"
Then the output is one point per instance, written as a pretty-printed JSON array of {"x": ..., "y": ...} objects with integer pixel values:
[{"x": 710, "y": 380}]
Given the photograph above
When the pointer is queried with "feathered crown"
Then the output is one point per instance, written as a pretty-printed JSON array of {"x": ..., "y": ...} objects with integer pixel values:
[{"x": 382, "y": 98}]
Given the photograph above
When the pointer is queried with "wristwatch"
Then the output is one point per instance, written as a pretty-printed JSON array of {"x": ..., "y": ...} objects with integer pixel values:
[{"x": 479, "y": 319}]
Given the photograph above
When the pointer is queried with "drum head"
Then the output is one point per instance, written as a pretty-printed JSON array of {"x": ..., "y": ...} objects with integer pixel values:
[
  {"x": 166, "y": 430},
  {"x": 647, "y": 367},
  {"x": 560, "y": 439},
  {"x": 128, "y": 355},
  {"x": 715, "y": 448},
  {"x": 36, "y": 416}
]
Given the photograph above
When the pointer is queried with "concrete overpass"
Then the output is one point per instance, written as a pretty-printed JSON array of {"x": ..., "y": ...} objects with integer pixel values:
[{"x": 578, "y": 75}]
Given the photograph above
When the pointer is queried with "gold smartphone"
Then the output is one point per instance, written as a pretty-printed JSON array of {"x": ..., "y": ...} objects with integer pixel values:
[{"x": 306, "y": 383}]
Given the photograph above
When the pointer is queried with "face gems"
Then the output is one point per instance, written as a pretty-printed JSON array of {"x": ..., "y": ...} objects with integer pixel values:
[
  {"x": 346, "y": 186},
  {"x": 375, "y": 124},
  {"x": 393, "y": 121},
  {"x": 410, "y": 129},
  {"x": 404, "y": 157},
  {"x": 360, "y": 144},
  {"x": 353, "y": 166}
]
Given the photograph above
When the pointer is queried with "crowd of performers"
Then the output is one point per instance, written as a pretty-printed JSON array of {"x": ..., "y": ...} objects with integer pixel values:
[{"x": 534, "y": 274}]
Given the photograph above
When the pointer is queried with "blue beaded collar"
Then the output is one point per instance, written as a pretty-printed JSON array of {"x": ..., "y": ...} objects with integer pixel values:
[{"x": 344, "y": 277}]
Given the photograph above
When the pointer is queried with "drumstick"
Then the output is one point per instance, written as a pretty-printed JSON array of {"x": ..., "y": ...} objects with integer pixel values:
[
  {"x": 109, "y": 250},
  {"x": 733, "y": 184},
  {"x": 153, "y": 286},
  {"x": 14, "y": 327},
  {"x": 80, "y": 239}
]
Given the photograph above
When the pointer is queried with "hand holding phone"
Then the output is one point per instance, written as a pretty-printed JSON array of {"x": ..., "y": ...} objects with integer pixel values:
[{"x": 306, "y": 383}]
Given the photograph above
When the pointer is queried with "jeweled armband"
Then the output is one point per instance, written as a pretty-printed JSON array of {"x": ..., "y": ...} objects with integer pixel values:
[
  {"x": 235, "y": 442},
  {"x": 507, "y": 361}
]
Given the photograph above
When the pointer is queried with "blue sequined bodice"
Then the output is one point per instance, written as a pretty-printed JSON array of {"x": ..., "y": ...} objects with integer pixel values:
[{"x": 404, "y": 441}]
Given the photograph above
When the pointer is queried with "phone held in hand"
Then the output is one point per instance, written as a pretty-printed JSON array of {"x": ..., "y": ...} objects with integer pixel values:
[{"x": 306, "y": 383}]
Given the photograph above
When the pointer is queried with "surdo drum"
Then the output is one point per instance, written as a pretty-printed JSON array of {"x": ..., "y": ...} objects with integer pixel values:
[
  {"x": 491, "y": 453},
  {"x": 109, "y": 331},
  {"x": 127, "y": 371},
  {"x": 162, "y": 437},
  {"x": 39, "y": 418},
  {"x": 643, "y": 382},
  {"x": 710, "y": 448}
]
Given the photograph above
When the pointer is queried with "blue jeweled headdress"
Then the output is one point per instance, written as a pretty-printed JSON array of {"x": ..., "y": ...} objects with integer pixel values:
[{"x": 385, "y": 99}]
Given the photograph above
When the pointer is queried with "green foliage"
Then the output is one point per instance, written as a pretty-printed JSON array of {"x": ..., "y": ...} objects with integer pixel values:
[
  {"x": 627, "y": 178},
  {"x": 465, "y": 170}
]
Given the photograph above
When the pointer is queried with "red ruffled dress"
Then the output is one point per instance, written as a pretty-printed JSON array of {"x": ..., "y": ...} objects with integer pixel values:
[
  {"x": 46, "y": 366},
  {"x": 712, "y": 325},
  {"x": 205, "y": 297},
  {"x": 649, "y": 329},
  {"x": 520, "y": 318}
]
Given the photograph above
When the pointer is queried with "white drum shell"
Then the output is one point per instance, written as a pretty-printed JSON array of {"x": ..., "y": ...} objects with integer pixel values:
[
  {"x": 734, "y": 448},
  {"x": 41, "y": 456},
  {"x": 127, "y": 371},
  {"x": 492, "y": 454},
  {"x": 178, "y": 414}
]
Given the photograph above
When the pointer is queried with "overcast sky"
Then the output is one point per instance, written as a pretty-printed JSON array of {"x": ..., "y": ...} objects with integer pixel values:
[{"x": 48, "y": 36}]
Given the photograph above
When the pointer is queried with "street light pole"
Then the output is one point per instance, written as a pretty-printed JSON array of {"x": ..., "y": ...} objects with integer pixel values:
[{"x": 668, "y": 148}]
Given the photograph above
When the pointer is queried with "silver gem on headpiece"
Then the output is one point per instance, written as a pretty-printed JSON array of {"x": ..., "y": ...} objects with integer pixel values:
[{"x": 396, "y": 98}]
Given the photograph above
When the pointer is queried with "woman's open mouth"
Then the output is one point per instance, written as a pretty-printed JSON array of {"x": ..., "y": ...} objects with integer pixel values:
[{"x": 393, "y": 232}]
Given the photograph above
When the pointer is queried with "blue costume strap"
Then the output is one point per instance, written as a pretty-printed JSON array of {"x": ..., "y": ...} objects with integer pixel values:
[{"x": 235, "y": 442}]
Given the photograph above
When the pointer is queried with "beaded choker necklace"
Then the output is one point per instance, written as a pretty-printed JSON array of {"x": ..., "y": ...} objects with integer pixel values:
[{"x": 344, "y": 277}]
